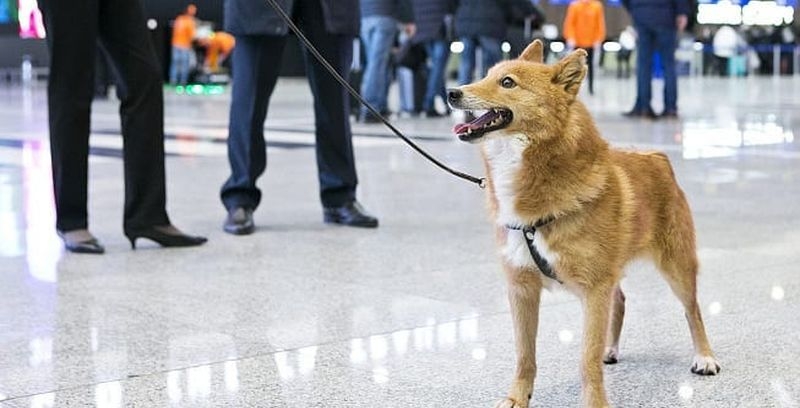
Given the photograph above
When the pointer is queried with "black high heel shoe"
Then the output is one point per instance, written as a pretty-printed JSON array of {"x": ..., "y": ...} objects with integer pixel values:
[{"x": 166, "y": 236}]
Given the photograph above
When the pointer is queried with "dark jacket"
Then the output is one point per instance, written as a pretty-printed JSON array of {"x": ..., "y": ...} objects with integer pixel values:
[
  {"x": 489, "y": 17},
  {"x": 399, "y": 9},
  {"x": 429, "y": 16},
  {"x": 253, "y": 17},
  {"x": 656, "y": 13}
]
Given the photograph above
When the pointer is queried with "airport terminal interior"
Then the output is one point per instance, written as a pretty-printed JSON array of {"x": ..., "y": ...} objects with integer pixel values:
[
  {"x": 414, "y": 313},
  {"x": 411, "y": 314}
]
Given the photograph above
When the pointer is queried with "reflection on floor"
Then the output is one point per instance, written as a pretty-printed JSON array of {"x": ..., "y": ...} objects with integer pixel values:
[{"x": 413, "y": 314}]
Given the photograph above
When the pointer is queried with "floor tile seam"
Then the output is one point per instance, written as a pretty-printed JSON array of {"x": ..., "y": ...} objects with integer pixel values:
[
  {"x": 330, "y": 342},
  {"x": 130, "y": 377}
]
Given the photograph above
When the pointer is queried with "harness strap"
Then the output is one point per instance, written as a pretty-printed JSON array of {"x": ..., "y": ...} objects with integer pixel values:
[{"x": 529, "y": 233}]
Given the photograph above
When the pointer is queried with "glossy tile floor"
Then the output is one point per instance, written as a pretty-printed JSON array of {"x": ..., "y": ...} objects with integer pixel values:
[{"x": 412, "y": 314}]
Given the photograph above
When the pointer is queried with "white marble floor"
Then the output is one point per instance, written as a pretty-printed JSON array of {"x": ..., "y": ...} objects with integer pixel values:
[{"x": 412, "y": 314}]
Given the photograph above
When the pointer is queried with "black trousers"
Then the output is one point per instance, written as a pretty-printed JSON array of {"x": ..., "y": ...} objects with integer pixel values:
[
  {"x": 256, "y": 65},
  {"x": 74, "y": 30}
]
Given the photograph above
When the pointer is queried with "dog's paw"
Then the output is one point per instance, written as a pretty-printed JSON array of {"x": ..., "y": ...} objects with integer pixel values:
[
  {"x": 510, "y": 403},
  {"x": 611, "y": 355},
  {"x": 705, "y": 365}
]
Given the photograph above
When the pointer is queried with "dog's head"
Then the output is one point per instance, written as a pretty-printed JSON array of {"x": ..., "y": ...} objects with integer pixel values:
[{"x": 520, "y": 96}]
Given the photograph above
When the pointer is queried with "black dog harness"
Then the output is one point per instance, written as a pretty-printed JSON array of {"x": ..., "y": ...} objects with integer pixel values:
[{"x": 529, "y": 232}]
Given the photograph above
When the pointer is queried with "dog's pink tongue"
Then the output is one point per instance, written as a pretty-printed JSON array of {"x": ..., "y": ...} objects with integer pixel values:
[
  {"x": 460, "y": 128},
  {"x": 477, "y": 123}
]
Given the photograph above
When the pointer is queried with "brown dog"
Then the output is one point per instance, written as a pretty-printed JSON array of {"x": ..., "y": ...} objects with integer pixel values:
[{"x": 587, "y": 211}]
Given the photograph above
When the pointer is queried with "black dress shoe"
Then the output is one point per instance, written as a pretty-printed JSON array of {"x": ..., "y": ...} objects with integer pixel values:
[
  {"x": 351, "y": 214},
  {"x": 239, "y": 221},
  {"x": 81, "y": 242},
  {"x": 164, "y": 235},
  {"x": 669, "y": 114},
  {"x": 640, "y": 113}
]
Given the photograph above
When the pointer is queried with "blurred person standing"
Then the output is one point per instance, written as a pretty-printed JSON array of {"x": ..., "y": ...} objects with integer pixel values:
[
  {"x": 585, "y": 28},
  {"x": 433, "y": 19},
  {"x": 657, "y": 24},
  {"x": 726, "y": 45},
  {"x": 379, "y": 23},
  {"x": 74, "y": 30},
  {"x": 483, "y": 23},
  {"x": 183, "y": 33},
  {"x": 331, "y": 25}
]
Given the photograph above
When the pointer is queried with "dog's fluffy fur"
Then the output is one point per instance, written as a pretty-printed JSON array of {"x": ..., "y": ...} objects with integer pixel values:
[{"x": 545, "y": 158}]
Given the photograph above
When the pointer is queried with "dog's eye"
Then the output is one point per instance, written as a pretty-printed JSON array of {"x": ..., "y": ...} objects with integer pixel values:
[{"x": 507, "y": 82}]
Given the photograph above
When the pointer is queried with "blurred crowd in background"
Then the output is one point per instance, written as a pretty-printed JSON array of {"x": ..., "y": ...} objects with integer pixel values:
[{"x": 420, "y": 45}]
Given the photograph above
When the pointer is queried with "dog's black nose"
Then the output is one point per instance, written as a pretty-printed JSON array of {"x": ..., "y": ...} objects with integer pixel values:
[{"x": 454, "y": 94}]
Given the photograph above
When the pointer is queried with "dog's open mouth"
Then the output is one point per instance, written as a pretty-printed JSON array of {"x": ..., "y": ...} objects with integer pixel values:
[{"x": 494, "y": 119}]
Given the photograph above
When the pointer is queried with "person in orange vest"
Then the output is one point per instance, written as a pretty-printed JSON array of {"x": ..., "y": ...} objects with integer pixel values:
[
  {"x": 183, "y": 32},
  {"x": 218, "y": 46},
  {"x": 585, "y": 27}
]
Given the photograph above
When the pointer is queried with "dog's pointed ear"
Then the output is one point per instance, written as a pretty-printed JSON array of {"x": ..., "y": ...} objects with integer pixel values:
[
  {"x": 534, "y": 52},
  {"x": 570, "y": 71}
]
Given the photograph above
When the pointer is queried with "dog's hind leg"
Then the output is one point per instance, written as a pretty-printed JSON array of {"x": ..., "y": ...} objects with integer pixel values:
[
  {"x": 596, "y": 308},
  {"x": 524, "y": 292},
  {"x": 680, "y": 271},
  {"x": 611, "y": 354}
]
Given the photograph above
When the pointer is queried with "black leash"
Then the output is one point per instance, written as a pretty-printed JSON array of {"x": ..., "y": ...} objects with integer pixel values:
[{"x": 481, "y": 182}]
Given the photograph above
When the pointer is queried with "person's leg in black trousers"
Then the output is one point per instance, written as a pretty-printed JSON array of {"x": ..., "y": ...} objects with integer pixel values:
[
  {"x": 73, "y": 32},
  {"x": 141, "y": 111},
  {"x": 255, "y": 72},
  {"x": 71, "y": 36},
  {"x": 103, "y": 77},
  {"x": 335, "y": 160}
]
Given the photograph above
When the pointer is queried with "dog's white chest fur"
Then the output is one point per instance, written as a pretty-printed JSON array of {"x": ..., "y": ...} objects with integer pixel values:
[{"x": 505, "y": 161}]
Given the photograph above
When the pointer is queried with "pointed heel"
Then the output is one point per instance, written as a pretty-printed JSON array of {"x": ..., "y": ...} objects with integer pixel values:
[{"x": 133, "y": 241}]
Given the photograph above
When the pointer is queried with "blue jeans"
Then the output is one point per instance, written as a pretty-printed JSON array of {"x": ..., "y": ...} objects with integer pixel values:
[
  {"x": 179, "y": 70},
  {"x": 377, "y": 35},
  {"x": 438, "y": 52},
  {"x": 663, "y": 41},
  {"x": 492, "y": 54}
]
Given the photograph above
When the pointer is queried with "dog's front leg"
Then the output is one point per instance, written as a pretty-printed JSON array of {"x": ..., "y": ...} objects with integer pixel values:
[
  {"x": 596, "y": 305},
  {"x": 524, "y": 291}
]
